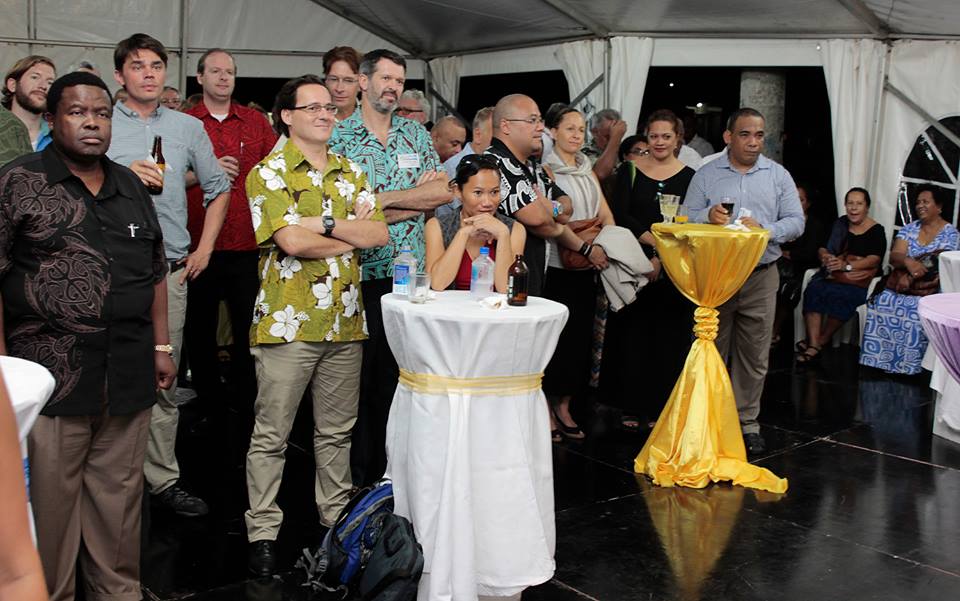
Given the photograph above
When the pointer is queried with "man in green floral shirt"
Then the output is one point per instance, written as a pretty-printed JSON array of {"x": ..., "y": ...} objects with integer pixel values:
[{"x": 312, "y": 209}]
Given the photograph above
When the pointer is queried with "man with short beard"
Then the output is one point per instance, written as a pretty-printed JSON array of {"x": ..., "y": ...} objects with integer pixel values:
[
  {"x": 405, "y": 172},
  {"x": 25, "y": 95}
]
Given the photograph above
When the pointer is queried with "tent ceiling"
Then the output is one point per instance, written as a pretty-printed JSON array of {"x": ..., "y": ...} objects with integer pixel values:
[{"x": 430, "y": 28}]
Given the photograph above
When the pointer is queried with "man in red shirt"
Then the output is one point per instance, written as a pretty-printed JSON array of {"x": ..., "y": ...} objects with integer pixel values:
[{"x": 241, "y": 137}]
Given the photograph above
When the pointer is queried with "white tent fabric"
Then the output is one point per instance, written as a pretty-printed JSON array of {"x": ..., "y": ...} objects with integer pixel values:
[
  {"x": 926, "y": 72},
  {"x": 446, "y": 78},
  {"x": 582, "y": 63},
  {"x": 854, "y": 75},
  {"x": 629, "y": 65}
]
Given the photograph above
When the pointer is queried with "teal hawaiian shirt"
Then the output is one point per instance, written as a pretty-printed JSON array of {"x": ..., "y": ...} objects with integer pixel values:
[{"x": 409, "y": 153}]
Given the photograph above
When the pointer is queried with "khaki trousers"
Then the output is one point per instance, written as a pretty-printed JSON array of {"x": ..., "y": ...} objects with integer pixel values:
[
  {"x": 86, "y": 485},
  {"x": 743, "y": 339},
  {"x": 332, "y": 370},
  {"x": 161, "y": 468}
]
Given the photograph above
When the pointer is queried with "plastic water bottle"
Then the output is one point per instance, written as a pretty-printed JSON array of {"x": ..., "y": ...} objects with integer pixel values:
[
  {"x": 481, "y": 275},
  {"x": 404, "y": 266}
]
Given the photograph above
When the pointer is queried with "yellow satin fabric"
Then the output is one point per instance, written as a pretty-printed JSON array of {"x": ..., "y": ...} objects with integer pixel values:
[
  {"x": 489, "y": 385},
  {"x": 697, "y": 439}
]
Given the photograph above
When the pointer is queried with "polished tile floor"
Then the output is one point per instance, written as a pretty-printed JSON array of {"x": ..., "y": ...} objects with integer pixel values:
[{"x": 873, "y": 509}]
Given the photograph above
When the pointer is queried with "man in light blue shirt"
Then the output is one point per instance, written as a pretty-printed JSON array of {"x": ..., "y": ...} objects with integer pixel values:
[
  {"x": 753, "y": 182},
  {"x": 141, "y": 67}
]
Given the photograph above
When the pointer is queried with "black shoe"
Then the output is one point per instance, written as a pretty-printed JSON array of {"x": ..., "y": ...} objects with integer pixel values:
[
  {"x": 262, "y": 557},
  {"x": 755, "y": 443},
  {"x": 182, "y": 503}
]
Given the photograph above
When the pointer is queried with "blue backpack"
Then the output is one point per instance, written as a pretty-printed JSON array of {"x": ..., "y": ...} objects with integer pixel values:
[{"x": 368, "y": 549}]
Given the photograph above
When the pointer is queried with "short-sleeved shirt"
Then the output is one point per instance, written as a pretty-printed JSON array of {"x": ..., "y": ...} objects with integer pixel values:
[
  {"x": 77, "y": 275},
  {"x": 519, "y": 183},
  {"x": 14, "y": 137},
  {"x": 408, "y": 154},
  {"x": 308, "y": 300},
  {"x": 246, "y": 135},
  {"x": 946, "y": 239},
  {"x": 185, "y": 147}
]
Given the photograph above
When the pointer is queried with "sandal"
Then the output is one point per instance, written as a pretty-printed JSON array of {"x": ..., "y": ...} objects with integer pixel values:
[
  {"x": 555, "y": 436},
  {"x": 802, "y": 346},
  {"x": 630, "y": 423},
  {"x": 571, "y": 432},
  {"x": 808, "y": 358}
]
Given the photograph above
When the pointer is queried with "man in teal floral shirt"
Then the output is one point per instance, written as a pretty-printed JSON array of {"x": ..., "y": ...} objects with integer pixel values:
[
  {"x": 311, "y": 209},
  {"x": 408, "y": 178}
]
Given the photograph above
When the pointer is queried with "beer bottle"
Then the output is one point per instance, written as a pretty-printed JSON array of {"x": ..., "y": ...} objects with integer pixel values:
[
  {"x": 517, "y": 277},
  {"x": 157, "y": 155}
]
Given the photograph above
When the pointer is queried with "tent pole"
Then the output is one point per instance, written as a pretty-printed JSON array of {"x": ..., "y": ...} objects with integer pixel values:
[
  {"x": 184, "y": 39},
  {"x": 607, "y": 57},
  {"x": 449, "y": 107},
  {"x": 596, "y": 82},
  {"x": 934, "y": 122},
  {"x": 31, "y": 24}
]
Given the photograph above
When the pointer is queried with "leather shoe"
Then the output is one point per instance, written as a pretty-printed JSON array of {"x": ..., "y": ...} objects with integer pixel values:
[
  {"x": 262, "y": 557},
  {"x": 754, "y": 442}
]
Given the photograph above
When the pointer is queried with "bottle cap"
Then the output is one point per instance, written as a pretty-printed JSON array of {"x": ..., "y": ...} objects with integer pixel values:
[{"x": 484, "y": 250}]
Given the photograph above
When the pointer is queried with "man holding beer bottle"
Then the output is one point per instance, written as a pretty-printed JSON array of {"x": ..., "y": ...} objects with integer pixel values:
[{"x": 141, "y": 67}]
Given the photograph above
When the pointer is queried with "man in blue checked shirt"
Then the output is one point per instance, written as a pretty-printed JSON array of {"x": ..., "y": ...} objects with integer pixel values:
[{"x": 753, "y": 182}]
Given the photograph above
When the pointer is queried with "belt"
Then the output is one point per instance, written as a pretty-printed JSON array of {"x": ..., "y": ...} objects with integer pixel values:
[
  {"x": 763, "y": 266},
  {"x": 176, "y": 266}
]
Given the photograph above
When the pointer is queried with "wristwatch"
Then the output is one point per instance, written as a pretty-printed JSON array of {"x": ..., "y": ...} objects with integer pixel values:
[
  {"x": 163, "y": 348},
  {"x": 328, "y": 224},
  {"x": 848, "y": 267}
]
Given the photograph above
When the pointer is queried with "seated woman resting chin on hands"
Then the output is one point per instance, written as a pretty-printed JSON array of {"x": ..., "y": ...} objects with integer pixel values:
[{"x": 455, "y": 238}]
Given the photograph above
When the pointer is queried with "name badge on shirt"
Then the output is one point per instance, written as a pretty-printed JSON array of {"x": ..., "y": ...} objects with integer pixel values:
[{"x": 408, "y": 161}]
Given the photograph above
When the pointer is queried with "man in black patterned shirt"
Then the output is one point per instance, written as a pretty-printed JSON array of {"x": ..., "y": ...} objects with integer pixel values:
[
  {"x": 527, "y": 191},
  {"x": 82, "y": 277}
]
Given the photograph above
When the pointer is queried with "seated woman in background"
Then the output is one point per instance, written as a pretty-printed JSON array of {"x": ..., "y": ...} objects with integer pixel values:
[
  {"x": 454, "y": 238},
  {"x": 893, "y": 339},
  {"x": 850, "y": 261}
]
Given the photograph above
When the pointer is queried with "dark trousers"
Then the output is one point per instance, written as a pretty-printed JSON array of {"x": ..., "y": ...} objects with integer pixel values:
[
  {"x": 378, "y": 382},
  {"x": 232, "y": 277}
]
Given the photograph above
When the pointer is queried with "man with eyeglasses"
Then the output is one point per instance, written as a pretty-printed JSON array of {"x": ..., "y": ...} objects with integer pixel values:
[
  {"x": 405, "y": 172},
  {"x": 140, "y": 64},
  {"x": 528, "y": 192},
  {"x": 312, "y": 211},
  {"x": 414, "y": 105},
  {"x": 241, "y": 137},
  {"x": 170, "y": 98}
]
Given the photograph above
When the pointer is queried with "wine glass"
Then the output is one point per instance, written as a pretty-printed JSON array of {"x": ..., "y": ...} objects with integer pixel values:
[{"x": 728, "y": 203}]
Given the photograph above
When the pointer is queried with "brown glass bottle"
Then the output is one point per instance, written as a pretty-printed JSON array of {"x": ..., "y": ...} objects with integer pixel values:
[
  {"x": 517, "y": 278},
  {"x": 157, "y": 155}
]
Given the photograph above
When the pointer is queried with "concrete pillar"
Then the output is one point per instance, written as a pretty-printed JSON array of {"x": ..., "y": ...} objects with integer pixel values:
[{"x": 766, "y": 91}]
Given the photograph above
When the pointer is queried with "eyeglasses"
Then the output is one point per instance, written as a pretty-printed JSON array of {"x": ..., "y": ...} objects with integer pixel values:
[
  {"x": 640, "y": 152},
  {"x": 531, "y": 120},
  {"x": 315, "y": 109},
  {"x": 334, "y": 80},
  {"x": 403, "y": 110}
]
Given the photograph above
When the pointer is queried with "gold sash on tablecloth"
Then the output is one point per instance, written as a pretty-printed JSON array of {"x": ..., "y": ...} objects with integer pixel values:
[
  {"x": 697, "y": 438},
  {"x": 488, "y": 385}
]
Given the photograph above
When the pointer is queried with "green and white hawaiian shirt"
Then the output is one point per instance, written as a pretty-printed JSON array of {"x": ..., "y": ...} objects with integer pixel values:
[{"x": 309, "y": 300}]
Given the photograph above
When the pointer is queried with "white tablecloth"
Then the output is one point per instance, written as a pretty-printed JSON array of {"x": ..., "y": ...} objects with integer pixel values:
[
  {"x": 29, "y": 385},
  {"x": 474, "y": 472},
  {"x": 946, "y": 417}
]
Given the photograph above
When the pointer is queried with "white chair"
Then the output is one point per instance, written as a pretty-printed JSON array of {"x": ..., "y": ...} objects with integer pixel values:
[{"x": 850, "y": 333}]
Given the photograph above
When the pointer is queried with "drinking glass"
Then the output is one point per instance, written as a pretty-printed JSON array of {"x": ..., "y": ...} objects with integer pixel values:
[
  {"x": 668, "y": 206},
  {"x": 419, "y": 288},
  {"x": 728, "y": 203}
]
